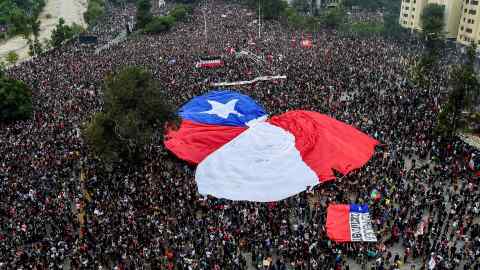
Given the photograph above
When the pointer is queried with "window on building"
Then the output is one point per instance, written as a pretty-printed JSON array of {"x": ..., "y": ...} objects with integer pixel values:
[
  {"x": 413, "y": 9},
  {"x": 407, "y": 8},
  {"x": 472, "y": 11},
  {"x": 465, "y": 11},
  {"x": 469, "y": 30},
  {"x": 405, "y": 15},
  {"x": 461, "y": 28},
  {"x": 474, "y": 3}
]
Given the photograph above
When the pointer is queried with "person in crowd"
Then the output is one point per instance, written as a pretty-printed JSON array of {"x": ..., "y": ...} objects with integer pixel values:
[{"x": 151, "y": 216}]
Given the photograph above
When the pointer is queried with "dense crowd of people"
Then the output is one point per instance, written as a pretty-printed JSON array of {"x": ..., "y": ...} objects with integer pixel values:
[{"x": 151, "y": 216}]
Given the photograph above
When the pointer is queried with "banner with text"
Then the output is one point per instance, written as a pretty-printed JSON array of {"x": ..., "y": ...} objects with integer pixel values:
[{"x": 349, "y": 223}]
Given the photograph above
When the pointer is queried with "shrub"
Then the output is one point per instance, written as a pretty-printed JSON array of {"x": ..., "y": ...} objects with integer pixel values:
[
  {"x": 15, "y": 100},
  {"x": 95, "y": 9},
  {"x": 144, "y": 13},
  {"x": 12, "y": 57},
  {"x": 180, "y": 12},
  {"x": 160, "y": 24}
]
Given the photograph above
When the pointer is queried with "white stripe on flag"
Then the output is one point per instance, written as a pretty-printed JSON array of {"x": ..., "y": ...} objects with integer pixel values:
[{"x": 242, "y": 169}]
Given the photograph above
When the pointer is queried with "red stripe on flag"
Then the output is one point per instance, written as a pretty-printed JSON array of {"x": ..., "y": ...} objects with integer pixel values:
[
  {"x": 338, "y": 222},
  {"x": 193, "y": 142},
  {"x": 326, "y": 143}
]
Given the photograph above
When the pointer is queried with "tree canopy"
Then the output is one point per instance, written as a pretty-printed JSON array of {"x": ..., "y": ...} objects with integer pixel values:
[
  {"x": 134, "y": 109},
  {"x": 333, "y": 17},
  {"x": 15, "y": 100},
  {"x": 95, "y": 10},
  {"x": 433, "y": 22},
  {"x": 63, "y": 32},
  {"x": 432, "y": 18},
  {"x": 144, "y": 14},
  {"x": 17, "y": 14},
  {"x": 464, "y": 90},
  {"x": 160, "y": 24}
]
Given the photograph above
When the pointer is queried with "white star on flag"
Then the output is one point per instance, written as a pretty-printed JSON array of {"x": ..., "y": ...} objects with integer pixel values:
[{"x": 223, "y": 110}]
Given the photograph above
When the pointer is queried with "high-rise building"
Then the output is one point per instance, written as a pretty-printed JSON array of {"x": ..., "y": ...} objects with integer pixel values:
[
  {"x": 469, "y": 28},
  {"x": 411, "y": 11}
]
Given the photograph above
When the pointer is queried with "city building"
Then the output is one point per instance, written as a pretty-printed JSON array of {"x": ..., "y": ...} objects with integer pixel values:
[
  {"x": 411, "y": 12},
  {"x": 469, "y": 28}
]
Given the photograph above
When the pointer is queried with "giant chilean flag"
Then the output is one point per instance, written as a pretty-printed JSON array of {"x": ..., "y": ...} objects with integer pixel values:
[
  {"x": 349, "y": 223},
  {"x": 242, "y": 155}
]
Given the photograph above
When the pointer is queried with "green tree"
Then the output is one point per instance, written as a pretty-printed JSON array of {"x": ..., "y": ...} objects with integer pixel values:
[
  {"x": 302, "y": 6},
  {"x": 134, "y": 109},
  {"x": 35, "y": 47},
  {"x": 180, "y": 12},
  {"x": 272, "y": 9},
  {"x": 12, "y": 57},
  {"x": 465, "y": 88},
  {"x": 333, "y": 17},
  {"x": 34, "y": 24},
  {"x": 391, "y": 27},
  {"x": 15, "y": 100},
  {"x": 18, "y": 20},
  {"x": 101, "y": 136},
  {"x": 63, "y": 32},
  {"x": 144, "y": 14},
  {"x": 160, "y": 24},
  {"x": 95, "y": 10},
  {"x": 292, "y": 18},
  {"x": 432, "y": 19},
  {"x": 18, "y": 14},
  {"x": 432, "y": 23},
  {"x": 2, "y": 69}
]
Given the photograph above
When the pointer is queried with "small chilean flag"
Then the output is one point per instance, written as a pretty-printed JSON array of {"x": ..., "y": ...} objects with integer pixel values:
[
  {"x": 211, "y": 63},
  {"x": 349, "y": 223}
]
